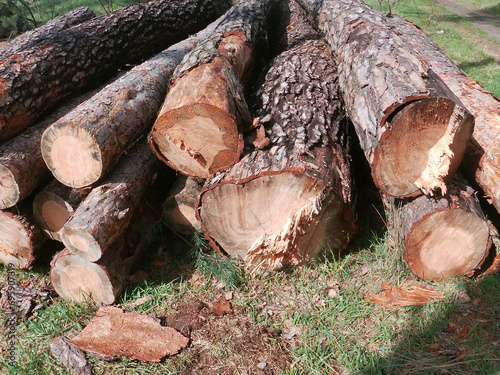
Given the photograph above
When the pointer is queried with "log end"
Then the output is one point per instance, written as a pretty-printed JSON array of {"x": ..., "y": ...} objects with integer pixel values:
[
  {"x": 9, "y": 189},
  {"x": 15, "y": 242},
  {"x": 422, "y": 147},
  {"x": 51, "y": 212},
  {"x": 447, "y": 243},
  {"x": 81, "y": 243},
  {"x": 198, "y": 140}
]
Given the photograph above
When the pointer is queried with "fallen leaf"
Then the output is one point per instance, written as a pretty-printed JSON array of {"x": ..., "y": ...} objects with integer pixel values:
[
  {"x": 70, "y": 356},
  {"x": 293, "y": 331},
  {"x": 390, "y": 297},
  {"x": 113, "y": 332},
  {"x": 222, "y": 306}
]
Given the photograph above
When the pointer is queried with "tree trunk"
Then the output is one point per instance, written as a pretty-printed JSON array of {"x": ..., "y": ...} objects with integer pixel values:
[
  {"x": 76, "y": 279},
  {"x": 33, "y": 81},
  {"x": 85, "y": 144},
  {"x": 31, "y": 38},
  {"x": 442, "y": 236},
  {"x": 54, "y": 205},
  {"x": 198, "y": 128},
  {"x": 20, "y": 239},
  {"x": 105, "y": 213},
  {"x": 179, "y": 208},
  {"x": 412, "y": 128},
  {"x": 281, "y": 204}
]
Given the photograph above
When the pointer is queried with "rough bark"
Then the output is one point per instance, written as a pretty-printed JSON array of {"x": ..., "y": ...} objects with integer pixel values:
[
  {"x": 21, "y": 239},
  {"x": 412, "y": 128},
  {"x": 85, "y": 144},
  {"x": 198, "y": 128},
  {"x": 33, "y": 81},
  {"x": 442, "y": 236},
  {"x": 106, "y": 212},
  {"x": 54, "y": 205},
  {"x": 179, "y": 207},
  {"x": 31, "y": 38},
  {"x": 279, "y": 205}
]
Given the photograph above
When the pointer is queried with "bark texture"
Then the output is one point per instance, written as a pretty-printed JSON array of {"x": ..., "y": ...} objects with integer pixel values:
[
  {"x": 280, "y": 204},
  {"x": 198, "y": 128},
  {"x": 84, "y": 145},
  {"x": 412, "y": 128},
  {"x": 34, "y": 80},
  {"x": 442, "y": 236},
  {"x": 106, "y": 212}
]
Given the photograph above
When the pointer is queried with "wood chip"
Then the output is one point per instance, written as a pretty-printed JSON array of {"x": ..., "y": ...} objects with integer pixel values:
[
  {"x": 70, "y": 356},
  {"x": 390, "y": 297}
]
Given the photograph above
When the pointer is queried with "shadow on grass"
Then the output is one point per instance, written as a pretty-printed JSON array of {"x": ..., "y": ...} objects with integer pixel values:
[{"x": 477, "y": 64}]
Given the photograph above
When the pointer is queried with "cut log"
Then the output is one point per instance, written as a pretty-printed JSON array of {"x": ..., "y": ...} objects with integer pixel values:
[
  {"x": 442, "y": 236},
  {"x": 34, "y": 80},
  {"x": 179, "y": 208},
  {"x": 21, "y": 239},
  {"x": 85, "y": 144},
  {"x": 280, "y": 205},
  {"x": 31, "y": 38},
  {"x": 106, "y": 212},
  {"x": 412, "y": 128},
  {"x": 198, "y": 128},
  {"x": 54, "y": 205}
]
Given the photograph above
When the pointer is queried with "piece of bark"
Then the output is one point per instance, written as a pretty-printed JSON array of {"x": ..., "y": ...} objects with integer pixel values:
[
  {"x": 441, "y": 237},
  {"x": 84, "y": 145},
  {"x": 197, "y": 131},
  {"x": 412, "y": 128},
  {"x": 279, "y": 205},
  {"x": 54, "y": 205},
  {"x": 70, "y": 356},
  {"x": 179, "y": 207},
  {"x": 21, "y": 239},
  {"x": 113, "y": 332},
  {"x": 106, "y": 212},
  {"x": 391, "y": 297},
  {"x": 33, "y": 37},
  {"x": 33, "y": 81}
]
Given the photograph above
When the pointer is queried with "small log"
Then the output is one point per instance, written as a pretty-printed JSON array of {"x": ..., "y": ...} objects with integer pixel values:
[
  {"x": 31, "y": 38},
  {"x": 85, "y": 144},
  {"x": 179, "y": 207},
  {"x": 442, "y": 236},
  {"x": 106, "y": 212},
  {"x": 54, "y": 205},
  {"x": 412, "y": 128},
  {"x": 21, "y": 239},
  {"x": 69, "y": 61},
  {"x": 197, "y": 131},
  {"x": 280, "y": 205}
]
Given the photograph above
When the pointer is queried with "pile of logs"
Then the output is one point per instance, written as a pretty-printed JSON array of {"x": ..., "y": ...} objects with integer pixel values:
[{"x": 263, "y": 150}]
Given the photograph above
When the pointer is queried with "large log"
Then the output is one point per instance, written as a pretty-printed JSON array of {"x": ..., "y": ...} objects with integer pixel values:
[
  {"x": 442, "y": 236},
  {"x": 198, "y": 130},
  {"x": 85, "y": 144},
  {"x": 33, "y": 37},
  {"x": 106, "y": 212},
  {"x": 34, "y": 80},
  {"x": 412, "y": 128},
  {"x": 280, "y": 205}
]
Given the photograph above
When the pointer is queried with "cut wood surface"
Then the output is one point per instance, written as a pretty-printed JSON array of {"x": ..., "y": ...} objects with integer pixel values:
[
  {"x": 85, "y": 144},
  {"x": 34, "y": 80},
  {"x": 106, "y": 212},
  {"x": 20, "y": 239},
  {"x": 54, "y": 205},
  {"x": 198, "y": 128},
  {"x": 442, "y": 236},
  {"x": 279, "y": 205},
  {"x": 412, "y": 128}
]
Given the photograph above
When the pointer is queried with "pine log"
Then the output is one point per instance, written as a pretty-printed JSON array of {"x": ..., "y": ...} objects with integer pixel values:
[
  {"x": 21, "y": 239},
  {"x": 280, "y": 205},
  {"x": 76, "y": 279},
  {"x": 84, "y": 145},
  {"x": 441, "y": 236},
  {"x": 54, "y": 205},
  {"x": 33, "y": 81},
  {"x": 31, "y": 38},
  {"x": 412, "y": 128},
  {"x": 179, "y": 208},
  {"x": 198, "y": 128},
  {"x": 106, "y": 212}
]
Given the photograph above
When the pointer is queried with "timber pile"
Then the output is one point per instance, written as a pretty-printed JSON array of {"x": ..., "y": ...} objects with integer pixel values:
[{"x": 263, "y": 152}]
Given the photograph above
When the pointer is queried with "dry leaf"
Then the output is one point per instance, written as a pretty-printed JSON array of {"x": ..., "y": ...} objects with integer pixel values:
[
  {"x": 390, "y": 297},
  {"x": 70, "y": 356},
  {"x": 113, "y": 332},
  {"x": 221, "y": 307}
]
